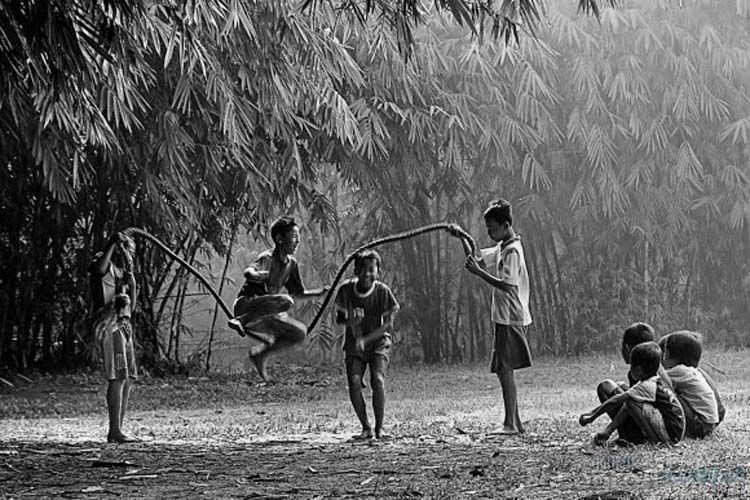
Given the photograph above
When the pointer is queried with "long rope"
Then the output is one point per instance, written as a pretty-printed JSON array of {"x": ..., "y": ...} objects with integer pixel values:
[
  {"x": 387, "y": 239},
  {"x": 136, "y": 230}
]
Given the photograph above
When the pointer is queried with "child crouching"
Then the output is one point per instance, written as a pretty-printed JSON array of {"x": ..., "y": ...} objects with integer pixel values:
[{"x": 650, "y": 403}]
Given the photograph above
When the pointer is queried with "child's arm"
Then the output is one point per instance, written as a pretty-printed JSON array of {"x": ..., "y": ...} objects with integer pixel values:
[
  {"x": 611, "y": 403},
  {"x": 128, "y": 276},
  {"x": 478, "y": 268},
  {"x": 255, "y": 275},
  {"x": 380, "y": 331},
  {"x": 315, "y": 292},
  {"x": 101, "y": 265},
  {"x": 709, "y": 380}
]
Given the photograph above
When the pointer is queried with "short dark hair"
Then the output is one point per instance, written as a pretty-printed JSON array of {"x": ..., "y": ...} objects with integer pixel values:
[
  {"x": 499, "y": 211},
  {"x": 684, "y": 346},
  {"x": 638, "y": 333},
  {"x": 361, "y": 257},
  {"x": 647, "y": 356},
  {"x": 282, "y": 226}
]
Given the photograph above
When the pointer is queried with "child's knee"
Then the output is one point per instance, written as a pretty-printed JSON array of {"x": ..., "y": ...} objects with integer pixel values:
[
  {"x": 377, "y": 380},
  {"x": 355, "y": 381},
  {"x": 606, "y": 389}
]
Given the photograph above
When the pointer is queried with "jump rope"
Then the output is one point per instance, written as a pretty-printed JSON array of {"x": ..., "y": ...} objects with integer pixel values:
[{"x": 440, "y": 226}]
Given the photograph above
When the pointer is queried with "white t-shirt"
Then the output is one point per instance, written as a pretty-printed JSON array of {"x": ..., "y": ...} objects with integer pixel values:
[
  {"x": 690, "y": 384},
  {"x": 507, "y": 262}
]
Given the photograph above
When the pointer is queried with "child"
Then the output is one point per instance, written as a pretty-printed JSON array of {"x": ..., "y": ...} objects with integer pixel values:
[
  {"x": 503, "y": 267},
  {"x": 260, "y": 307},
  {"x": 650, "y": 403},
  {"x": 693, "y": 387},
  {"x": 367, "y": 307},
  {"x": 635, "y": 334},
  {"x": 113, "y": 294}
]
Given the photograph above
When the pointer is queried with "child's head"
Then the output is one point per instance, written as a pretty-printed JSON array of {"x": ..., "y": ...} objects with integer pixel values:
[
  {"x": 367, "y": 266},
  {"x": 635, "y": 334},
  {"x": 498, "y": 218},
  {"x": 682, "y": 348},
  {"x": 645, "y": 359},
  {"x": 285, "y": 234}
]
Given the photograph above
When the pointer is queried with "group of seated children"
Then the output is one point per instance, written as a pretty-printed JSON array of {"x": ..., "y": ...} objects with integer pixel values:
[{"x": 667, "y": 396}]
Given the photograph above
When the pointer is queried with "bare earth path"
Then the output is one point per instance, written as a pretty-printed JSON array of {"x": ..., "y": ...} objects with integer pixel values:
[{"x": 232, "y": 437}]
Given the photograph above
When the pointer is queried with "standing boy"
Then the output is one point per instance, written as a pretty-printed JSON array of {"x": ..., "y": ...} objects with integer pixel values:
[
  {"x": 261, "y": 308},
  {"x": 113, "y": 294},
  {"x": 650, "y": 403},
  {"x": 367, "y": 307},
  {"x": 503, "y": 267}
]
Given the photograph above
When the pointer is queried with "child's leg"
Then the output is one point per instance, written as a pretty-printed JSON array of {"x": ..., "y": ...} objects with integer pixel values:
[
  {"x": 628, "y": 430},
  {"x": 125, "y": 398},
  {"x": 250, "y": 310},
  {"x": 512, "y": 422},
  {"x": 378, "y": 366},
  {"x": 286, "y": 332},
  {"x": 114, "y": 408},
  {"x": 355, "y": 367},
  {"x": 649, "y": 421}
]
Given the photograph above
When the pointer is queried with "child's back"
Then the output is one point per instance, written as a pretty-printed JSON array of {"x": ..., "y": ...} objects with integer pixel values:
[{"x": 693, "y": 386}]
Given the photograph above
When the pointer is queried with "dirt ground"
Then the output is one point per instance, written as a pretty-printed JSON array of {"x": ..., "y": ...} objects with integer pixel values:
[{"x": 233, "y": 437}]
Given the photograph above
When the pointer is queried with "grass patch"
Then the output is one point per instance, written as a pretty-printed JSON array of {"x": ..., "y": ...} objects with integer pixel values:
[{"x": 243, "y": 432}]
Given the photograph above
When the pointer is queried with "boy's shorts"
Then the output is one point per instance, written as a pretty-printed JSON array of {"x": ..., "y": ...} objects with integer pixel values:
[
  {"x": 695, "y": 427},
  {"x": 118, "y": 352},
  {"x": 511, "y": 349},
  {"x": 377, "y": 361}
]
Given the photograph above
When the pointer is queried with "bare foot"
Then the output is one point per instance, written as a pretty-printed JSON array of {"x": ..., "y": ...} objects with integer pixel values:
[
  {"x": 381, "y": 436},
  {"x": 504, "y": 431},
  {"x": 363, "y": 436},
  {"x": 120, "y": 438},
  {"x": 236, "y": 326},
  {"x": 260, "y": 364}
]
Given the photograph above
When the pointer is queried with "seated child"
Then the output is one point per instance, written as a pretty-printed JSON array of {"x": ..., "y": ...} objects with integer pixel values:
[
  {"x": 635, "y": 334},
  {"x": 367, "y": 307},
  {"x": 693, "y": 387},
  {"x": 260, "y": 309},
  {"x": 650, "y": 403}
]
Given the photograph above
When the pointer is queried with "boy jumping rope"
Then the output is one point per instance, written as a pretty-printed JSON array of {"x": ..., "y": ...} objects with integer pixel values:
[
  {"x": 260, "y": 308},
  {"x": 367, "y": 307},
  {"x": 503, "y": 267}
]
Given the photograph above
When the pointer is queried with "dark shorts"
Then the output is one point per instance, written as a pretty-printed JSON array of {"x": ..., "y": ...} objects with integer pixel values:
[
  {"x": 511, "y": 349},
  {"x": 356, "y": 363}
]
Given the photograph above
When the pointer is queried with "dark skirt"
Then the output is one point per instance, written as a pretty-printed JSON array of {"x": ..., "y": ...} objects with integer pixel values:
[{"x": 511, "y": 349}]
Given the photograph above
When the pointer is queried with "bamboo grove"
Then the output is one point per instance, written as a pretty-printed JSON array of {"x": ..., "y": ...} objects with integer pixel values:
[{"x": 622, "y": 139}]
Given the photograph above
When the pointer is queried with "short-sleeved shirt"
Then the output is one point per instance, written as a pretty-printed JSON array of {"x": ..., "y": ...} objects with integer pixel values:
[
  {"x": 690, "y": 384},
  {"x": 653, "y": 390},
  {"x": 376, "y": 302},
  {"x": 281, "y": 275},
  {"x": 506, "y": 261}
]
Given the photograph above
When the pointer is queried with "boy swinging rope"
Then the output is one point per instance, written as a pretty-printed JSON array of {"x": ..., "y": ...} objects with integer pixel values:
[
  {"x": 260, "y": 309},
  {"x": 503, "y": 267}
]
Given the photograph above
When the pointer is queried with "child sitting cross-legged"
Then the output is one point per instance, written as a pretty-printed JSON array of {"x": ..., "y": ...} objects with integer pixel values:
[
  {"x": 693, "y": 387},
  {"x": 650, "y": 403}
]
